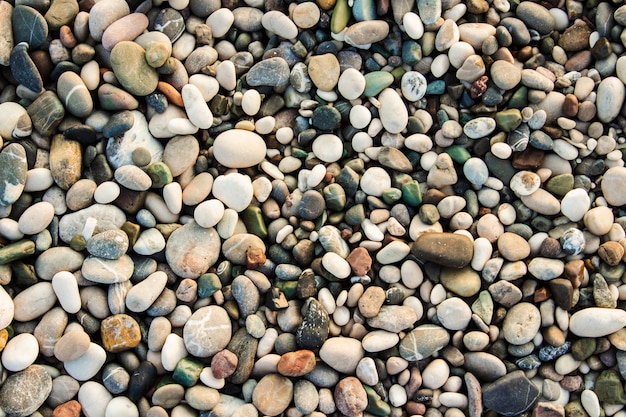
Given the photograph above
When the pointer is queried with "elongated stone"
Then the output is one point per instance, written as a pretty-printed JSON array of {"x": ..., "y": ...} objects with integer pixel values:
[
  {"x": 13, "y": 173},
  {"x": 448, "y": 249},
  {"x": 65, "y": 161}
]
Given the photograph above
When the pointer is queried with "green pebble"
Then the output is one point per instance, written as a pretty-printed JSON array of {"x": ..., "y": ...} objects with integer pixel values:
[
  {"x": 335, "y": 197},
  {"x": 612, "y": 274},
  {"x": 375, "y": 405},
  {"x": 609, "y": 388},
  {"x": 187, "y": 372},
  {"x": 326, "y": 118},
  {"x": 411, "y": 194},
  {"x": 509, "y": 119},
  {"x": 392, "y": 195},
  {"x": 16, "y": 251},
  {"x": 78, "y": 242},
  {"x": 411, "y": 52},
  {"x": 160, "y": 174},
  {"x": 288, "y": 288},
  {"x": 208, "y": 284},
  {"x": 459, "y": 154},
  {"x": 519, "y": 99},
  {"x": 575, "y": 409},
  {"x": 23, "y": 274},
  {"x": 341, "y": 16},
  {"x": 429, "y": 214},
  {"x": 253, "y": 219},
  {"x": 132, "y": 230},
  {"x": 436, "y": 88},
  {"x": 583, "y": 348},
  {"x": 415, "y": 125},
  {"x": 299, "y": 153},
  {"x": 377, "y": 81},
  {"x": 560, "y": 185},
  {"x": 355, "y": 215},
  {"x": 397, "y": 73},
  {"x": 141, "y": 156}
]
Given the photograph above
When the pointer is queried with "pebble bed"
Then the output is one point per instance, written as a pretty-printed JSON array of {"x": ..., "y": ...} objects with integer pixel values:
[{"x": 311, "y": 208}]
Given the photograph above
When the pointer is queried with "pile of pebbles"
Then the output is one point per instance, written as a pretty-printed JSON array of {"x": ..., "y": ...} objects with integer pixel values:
[{"x": 333, "y": 207}]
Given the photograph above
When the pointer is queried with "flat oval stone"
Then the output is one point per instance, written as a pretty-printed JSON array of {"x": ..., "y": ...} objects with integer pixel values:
[
  {"x": 521, "y": 323},
  {"x": 107, "y": 271},
  {"x": 24, "y": 392},
  {"x": 128, "y": 61},
  {"x": 103, "y": 14},
  {"x": 66, "y": 289},
  {"x": 34, "y": 301},
  {"x": 613, "y": 186},
  {"x": 342, "y": 353},
  {"x": 597, "y": 322},
  {"x": 125, "y": 29},
  {"x": 191, "y": 250},
  {"x": 479, "y": 127},
  {"x": 610, "y": 98},
  {"x": 393, "y": 113},
  {"x": 423, "y": 341},
  {"x": 207, "y": 331},
  {"x": 328, "y": 147},
  {"x": 365, "y": 33},
  {"x": 447, "y": 249},
  {"x": 29, "y": 26},
  {"x": 273, "y": 72},
  {"x": 36, "y": 218},
  {"x": 324, "y": 71},
  {"x": 536, "y": 17},
  {"x": 74, "y": 94},
  {"x": 228, "y": 145},
  {"x": 413, "y": 85},
  {"x": 20, "y": 352},
  {"x": 110, "y": 244},
  {"x": 236, "y": 246},
  {"x": 234, "y": 190},
  {"x": 197, "y": 109},
  {"x": 72, "y": 345},
  {"x": 273, "y": 394},
  {"x": 87, "y": 365}
]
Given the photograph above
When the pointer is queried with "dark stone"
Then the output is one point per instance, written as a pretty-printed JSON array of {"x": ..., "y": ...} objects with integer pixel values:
[
  {"x": 24, "y": 69},
  {"x": 28, "y": 26},
  {"x": 549, "y": 353},
  {"x": 313, "y": 330},
  {"x": 142, "y": 380},
  {"x": 83, "y": 134},
  {"x": 511, "y": 395},
  {"x": 118, "y": 124},
  {"x": 312, "y": 205},
  {"x": 244, "y": 346},
  {"x": 170, "y": 22}
]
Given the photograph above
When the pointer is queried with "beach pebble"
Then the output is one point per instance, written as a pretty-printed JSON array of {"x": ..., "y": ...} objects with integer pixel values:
[
  {"x": 227, "y": 148},
  {"x": 24, "y": 392}
]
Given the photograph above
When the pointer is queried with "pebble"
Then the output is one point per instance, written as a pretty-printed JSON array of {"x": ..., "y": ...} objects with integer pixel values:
[
  {"x": 24, "y": 392},
  {"x": 192, "y": 239},
  {"x": 342, "y": 353},
  {"x": 227, "y": 146},
  {"x": 207, "y": 331}
]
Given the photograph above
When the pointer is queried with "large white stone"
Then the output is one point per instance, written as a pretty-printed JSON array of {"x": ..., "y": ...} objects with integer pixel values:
[
  {"x": 597, "y": 322},
  {"x": 393, "y": 113},
  {"x": 239, "y": 148},
  {"x": 609, "y": 99},
  {"x": 234, "y": 190}
]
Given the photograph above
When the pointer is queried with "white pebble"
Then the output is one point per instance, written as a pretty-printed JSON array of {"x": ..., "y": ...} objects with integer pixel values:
[
  {"x": 65, "y": 287},
  {"x": 20, "y": 352},
  {"x": 208, "y": 213},
  {"x": 106, "y": 192}
]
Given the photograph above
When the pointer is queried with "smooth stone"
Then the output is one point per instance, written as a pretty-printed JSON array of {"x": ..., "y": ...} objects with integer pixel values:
[
  {"x": 479, "y": 127},
  {"x": 610, "y": 98},
  {"x": 454, "y": 314},
  {"x": 28, "y": 26},
  {"x": 273, "y": 72},
  {"x": 20, "y": 352},
  {"x": 34, "y": 301},
  {"x": 107, "y": 271},
  {"x": 132, "y": 70},
  {"x": 463, "y": 282},
  {"x": 227, "y": 148},
  {"x": 220, "y": 21},
  {"x": 88, "y": 365},
  {"x": 342, "y": 353},
  {"x": 6, "y": 308},
  {"x": 119, "y": 332},
  {"x": 351, "y": 84},
  {"x": 542, "y": 202},
  {"x": 197, "y": 109},
  {"x": 127, "y": 28},
  {"x": 613, "y": 186},
  {"x": 13, "y": 173},
  {"x": 65, "y": 287},
  {"x": 500, "y": 396},
  {"x": 447, "y": 249},
  {"x": 6, "y": 38},
  {"x": 596, "y": 322},
  {"x": 234, "y": 190},
  {"x": 350, "y": 396},
  {"x": 110, "y": 244},
  {"x": 74, "y": 94},
  {"x": 365, "y": 33},
  {"x": 521, "y": 323},
  {"x": 207, "y": 331},
  {"x": 272, "y": 394},
  {"x": 24, "y": 392},
  {"x": 280, "y": 24},
  {"x": 328, "y": 147},
  {"x": 393, "y": 318},
  {"x": 379, "y": 340},
  {"x": 423, "y": 341},
  {"x": 393, "y": 113},
  {"x": 324, "y": 71},
  {"x": 505, "y": 75},
  {"x": 191, "y": 250},
  {"x": 536, "y": 17},
  {"x": 576, "y": 202},
  {"x": 105, "y": 14},
  {"x": 71, "y": 345},
  {"x": 236, "y": 247},
  {"x": 413, "y": 85},
  {"x": 133, "y": 178},
  {"x": 36, "y": 218}
]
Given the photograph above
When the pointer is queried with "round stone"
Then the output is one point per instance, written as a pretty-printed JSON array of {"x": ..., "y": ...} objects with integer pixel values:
[
  {"x": 191, "y": 250},
  {"x": 328, "y": 147},
  {"x": 521, "y": 324},
  {"x": 228, "y": 145},
  {"x": 20, "y": 352},
  {"x": 24, "y": 392},
  {"x": 207, "y": 331}
]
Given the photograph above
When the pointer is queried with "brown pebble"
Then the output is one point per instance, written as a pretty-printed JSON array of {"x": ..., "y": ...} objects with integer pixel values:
[
  {"x": 562, "y": 293},
  {"x": 541, "y": 295},
  {"x": 550, "y": 248},
  {"x": 548, "y": 409},
  {"x": 574, "y": 271},
  {"x": 224, "y": 364},
  {"x": 297, "y": 363},
  {"x": 554, "y": 335},
  {"x": 71, "y": 408},
  {"x": 586, "y": 111},
  {"x": 350, "y": 396},
  {"x": 172, "y": 94},
  {"x": 67, "y": 37},
  {"x": 120, "y": 332},
  {"x": 360, "y": 261},
  {"x": 611, "y": 252},
  {"x": 576, "y": 37},
  {"x": 570, "y": 105},
  {"x": 414, "y": 408},
  {"x": 572, "y": 383},
  {"x": 255, "y": 257},
  {"x": 371, "y": 301}
]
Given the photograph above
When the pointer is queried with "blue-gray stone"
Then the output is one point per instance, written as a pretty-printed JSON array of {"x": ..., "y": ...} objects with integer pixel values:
[
  {"x": 13, "y": 168},
  {"x": 549, "y": 353},
  {"x": 23, "y": 68},
  {"x": 29, "y": 26},
  {"x": 364, "y": 10},
  {"x": 273, "y": 72}
]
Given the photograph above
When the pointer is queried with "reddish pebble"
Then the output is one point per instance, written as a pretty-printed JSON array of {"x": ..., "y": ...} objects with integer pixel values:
[
  {"x": 71, "y": 408},
  {"x": 297, "y": 363},
  {"x": 570, "y": 105},
  {"x": 360, "y": 261},
  {"x": 224, "y": 364},
  {"x": 350, "y": 397}
]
